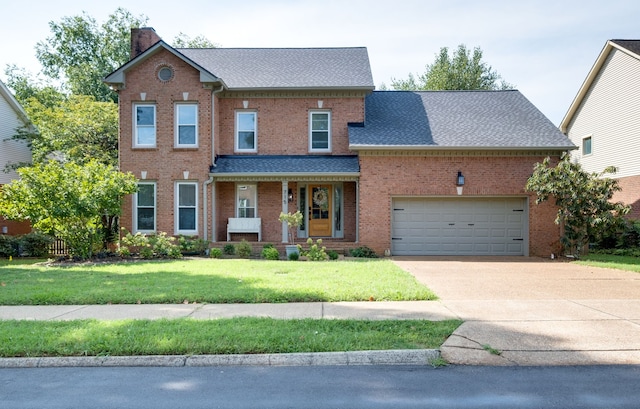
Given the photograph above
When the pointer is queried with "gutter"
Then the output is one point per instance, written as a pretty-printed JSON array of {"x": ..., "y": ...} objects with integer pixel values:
[{"x": 458, "y": 148}]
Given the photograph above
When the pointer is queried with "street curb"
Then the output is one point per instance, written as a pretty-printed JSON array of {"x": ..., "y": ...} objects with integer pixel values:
[{"x": 351, "y": 358}]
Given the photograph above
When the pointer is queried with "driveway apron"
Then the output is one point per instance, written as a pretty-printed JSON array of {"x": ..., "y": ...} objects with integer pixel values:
[{"x": 534, "y": 311}]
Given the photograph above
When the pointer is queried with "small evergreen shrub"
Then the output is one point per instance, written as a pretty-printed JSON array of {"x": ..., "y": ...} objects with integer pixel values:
[
  {"x": 243, "y": 249},
  {"x": 8, "y": 246},
  {"x": 294, "y": 257},
  {"x": 215, "y": 252},
  {"x": 364, "y": 252},
  {"x": 270, "y": 253},
  {"x": 229, "y": 249},
  {"x": 333, "y": 255},
  {"x": 35, "y": 244}
]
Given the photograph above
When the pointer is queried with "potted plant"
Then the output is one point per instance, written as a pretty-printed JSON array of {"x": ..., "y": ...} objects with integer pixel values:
[{"x": 293, "y": 222}]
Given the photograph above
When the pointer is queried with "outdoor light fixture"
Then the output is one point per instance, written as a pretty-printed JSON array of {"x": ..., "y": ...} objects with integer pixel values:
[
  {"x": 290, "y": 195},
  {"x": 459, "y": 182}
]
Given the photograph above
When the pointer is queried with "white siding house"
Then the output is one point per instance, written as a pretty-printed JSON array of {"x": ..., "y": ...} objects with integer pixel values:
[
  {"x": 12, "y": 117},
  {"x": 604, "y": 118}
]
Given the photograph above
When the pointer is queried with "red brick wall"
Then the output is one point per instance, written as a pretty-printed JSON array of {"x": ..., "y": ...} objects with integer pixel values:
[
  {"x": 165, "y": 163},
  {"x": 630, "y": 195},
  {"x": 383, "y": 177},
  {"x": 14, "y": 228},
  {"x": 283, "y": 123}
]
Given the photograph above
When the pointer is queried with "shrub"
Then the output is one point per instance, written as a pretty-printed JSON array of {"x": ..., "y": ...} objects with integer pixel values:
[
  {"x": 333, "y": 255},
  {"x": 315, "y": 252},
  {"x": 215, "y": 252},
  {"x": 270, "y": 253},
  {"x": 229, "y": 249},
  {"x": 294, "y": 256},
  {"x": 148, "y": 247},
  {"x": 364, "y": 252},
  {"x": 192, "y": 245},
  {"x": 35, "y": 244},
  {"x": 8, "y": 246},
  {"x": 243, "y": 249}
]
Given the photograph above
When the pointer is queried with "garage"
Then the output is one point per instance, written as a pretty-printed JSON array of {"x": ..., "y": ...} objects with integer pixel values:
[{"x": 459, "y": 226}]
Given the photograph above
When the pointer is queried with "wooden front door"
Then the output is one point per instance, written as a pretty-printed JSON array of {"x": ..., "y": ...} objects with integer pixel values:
[{"x": 320, "y": 210}]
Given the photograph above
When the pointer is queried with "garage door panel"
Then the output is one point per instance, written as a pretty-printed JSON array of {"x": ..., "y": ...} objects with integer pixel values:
[{"x": 459, "y": 226}]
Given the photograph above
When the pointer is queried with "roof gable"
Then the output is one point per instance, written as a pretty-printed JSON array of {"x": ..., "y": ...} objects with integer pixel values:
[
  {"x": 13, "y": 103},
  {"x": 629, "y": 47},
  {"x": 454, "y": 120}
]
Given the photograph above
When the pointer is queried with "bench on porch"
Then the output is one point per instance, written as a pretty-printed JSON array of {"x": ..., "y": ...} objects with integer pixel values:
[{"x": 244, "y": 225}]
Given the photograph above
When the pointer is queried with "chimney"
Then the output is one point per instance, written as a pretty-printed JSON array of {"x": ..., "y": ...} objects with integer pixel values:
[{"x": 142, "y": 39}]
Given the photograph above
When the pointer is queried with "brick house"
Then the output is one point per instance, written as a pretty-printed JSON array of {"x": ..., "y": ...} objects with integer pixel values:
[
  {"x": 603, "y": 119},
  {"x": 223, "y": 140},
  {"x": 12, "y": 117}
]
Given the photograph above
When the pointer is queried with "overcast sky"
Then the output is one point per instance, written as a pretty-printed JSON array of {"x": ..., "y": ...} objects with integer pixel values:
[{"x": 545, "y": 48}]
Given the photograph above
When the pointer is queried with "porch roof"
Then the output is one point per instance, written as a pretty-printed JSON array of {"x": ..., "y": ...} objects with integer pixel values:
[{"x": 282, "y": 167}]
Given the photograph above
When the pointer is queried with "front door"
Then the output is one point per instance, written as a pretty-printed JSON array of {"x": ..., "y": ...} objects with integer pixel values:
[{"x": 320, "y": 210}]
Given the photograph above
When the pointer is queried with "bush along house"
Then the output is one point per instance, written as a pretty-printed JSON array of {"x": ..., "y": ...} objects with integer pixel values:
[{"x": 224, "y": 140}]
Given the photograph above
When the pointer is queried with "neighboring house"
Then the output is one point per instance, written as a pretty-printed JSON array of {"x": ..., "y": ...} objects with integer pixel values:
[
  {"x": 223, "y": 140},
  {"x": 12, "y": 117},
  {"x": 604, "y": 119}
]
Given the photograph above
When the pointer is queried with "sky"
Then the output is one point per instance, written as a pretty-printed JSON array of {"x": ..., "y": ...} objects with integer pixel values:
[{"x": 545, "y": 48}]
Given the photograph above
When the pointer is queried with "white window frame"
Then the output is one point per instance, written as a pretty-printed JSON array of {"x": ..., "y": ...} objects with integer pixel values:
[
  {"x": 177, "y": 126},
  {"x": 590, "y": 138},
  {"x": 238, "y": 212},
  {"x": 238, "y": 130},
  {"x": 178, "y": 206},
  {"x": 136, "y": 144},
  {"x": 136, "y": 207},
  {"x": 311, "y": 131}
]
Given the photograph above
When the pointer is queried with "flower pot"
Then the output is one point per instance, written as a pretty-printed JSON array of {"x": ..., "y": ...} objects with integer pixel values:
[{"x": 290, "y": 249}]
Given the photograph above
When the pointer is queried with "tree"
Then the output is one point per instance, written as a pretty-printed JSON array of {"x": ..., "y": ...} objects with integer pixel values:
[
  {"x": 585, "y": 209},
  {"x": 460, "y": 71},
  {"x": 68, "y": 200},
  {"x": 184, "y": 41},
  {"x": 84, "y": 52}
]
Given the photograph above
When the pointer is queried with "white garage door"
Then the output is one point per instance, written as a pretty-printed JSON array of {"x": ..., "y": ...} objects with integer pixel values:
[{"x": 459, "y": 226}]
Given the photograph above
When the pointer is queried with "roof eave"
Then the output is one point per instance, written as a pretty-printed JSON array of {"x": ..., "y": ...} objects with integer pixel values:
[
  {"x": 310, "y": 88},
  {"x": 284, "y": 174},
  {"x": 458, "y": 148}
]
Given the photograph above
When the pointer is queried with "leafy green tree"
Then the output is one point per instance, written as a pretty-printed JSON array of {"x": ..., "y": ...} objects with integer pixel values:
[
  {"x": 463, "y": 70},
  {"x": 585, "y": 209},
  {"x": 184, "y": 41},
  {"x": 68, "y": 200},
  {"x": 84, "y": 52}
]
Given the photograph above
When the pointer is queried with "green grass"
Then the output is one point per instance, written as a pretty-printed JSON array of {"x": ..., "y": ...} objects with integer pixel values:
[
  {"x": 611, "y": 261},
  {"x": 206, "y": 281},
  {"x": 223, "y": 336}
]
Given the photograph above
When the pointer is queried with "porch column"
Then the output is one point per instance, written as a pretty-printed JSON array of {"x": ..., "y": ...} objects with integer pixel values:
[{"x": 285, "y": 209}]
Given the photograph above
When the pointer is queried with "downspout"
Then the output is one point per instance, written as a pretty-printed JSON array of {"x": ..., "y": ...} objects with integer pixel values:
[{"x": 206, "y": 183}]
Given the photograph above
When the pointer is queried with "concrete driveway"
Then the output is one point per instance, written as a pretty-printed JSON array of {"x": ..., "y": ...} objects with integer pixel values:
[{"x": 534, "y": 311}]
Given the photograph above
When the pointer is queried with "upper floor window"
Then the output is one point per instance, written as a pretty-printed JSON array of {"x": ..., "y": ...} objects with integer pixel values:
[
  {"x": 320, "y": 131},
  {"x": 144, "y": 125},
  {"x": 186, "y": 208},
  {"x": 186, "y": 125},
  {"x": 145, "y": 208},
  {"x": 247, "y": 198},
  {"x": 246, "y": 132},
  {"x": 586, "y": 146}
]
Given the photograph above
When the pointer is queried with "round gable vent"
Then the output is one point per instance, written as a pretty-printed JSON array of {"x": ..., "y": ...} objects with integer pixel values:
[{"x": 165, "y": 74}]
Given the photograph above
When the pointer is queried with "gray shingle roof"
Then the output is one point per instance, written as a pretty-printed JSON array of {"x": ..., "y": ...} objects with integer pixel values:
[
  {"x": 454, "y": 119},
  {"x": 631, "y": 45},
  {"x": 286, "y": 164},
  {"x": 298, "y": 68}
]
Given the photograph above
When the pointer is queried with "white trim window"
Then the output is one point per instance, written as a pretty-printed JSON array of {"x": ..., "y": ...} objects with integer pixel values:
[
  {"x": 186, "y": 208},
  {"x": 186, "y": 125},
  {"x": 247, "y": 200},
  {"x": 144, "y": 217},
  {"x": 586, "y": 146},
  {"x": 319, "y": 131},
  {"x": 246, "y": 131},
  {"x": 144, "y": 125}
]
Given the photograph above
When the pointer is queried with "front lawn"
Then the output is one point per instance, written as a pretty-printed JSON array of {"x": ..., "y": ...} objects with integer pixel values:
[
  {"x": 628, "y": 263},
  {"x": 206, "y": 281},
  {"x": 222, "y": 336}
]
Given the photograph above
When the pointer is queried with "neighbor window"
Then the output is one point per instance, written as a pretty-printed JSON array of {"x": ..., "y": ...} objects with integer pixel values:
[
  {"x": 246, "y": 132},
  {"x": 186, "y": 125},
  {"x": 145, "y": 208},
  {"x": 145, "y": 125},
  {"x": 320, "y": 131},
  {"x": 246, "y": 202},
  {"x": 586, "y": 146},
  {"x": 187, "y": 205}
]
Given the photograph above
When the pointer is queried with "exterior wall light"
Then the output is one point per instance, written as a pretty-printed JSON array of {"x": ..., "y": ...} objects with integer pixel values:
[
  {"x": 290, "y": 195},
  {"x": 459, "y": 183}
]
